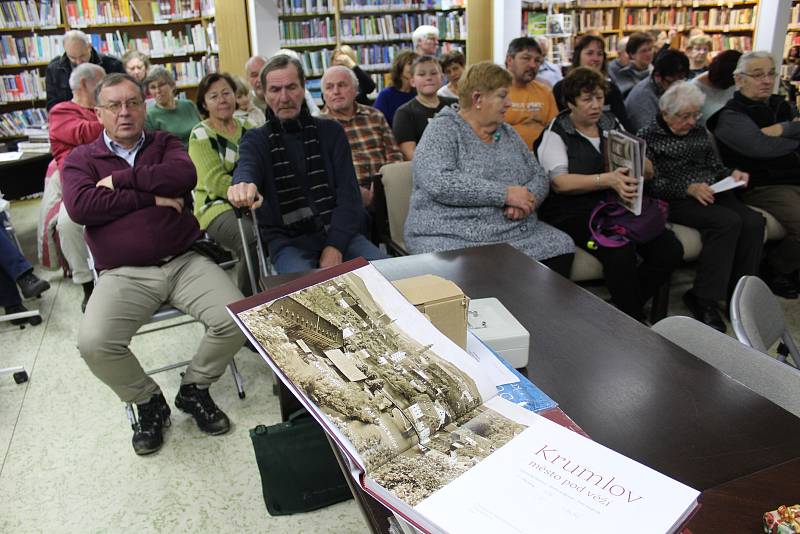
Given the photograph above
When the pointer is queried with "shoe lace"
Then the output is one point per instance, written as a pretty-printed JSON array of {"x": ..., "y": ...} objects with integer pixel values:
[
  {"x": 207, "y": 404},
  {"x": 149, "y": 414}
]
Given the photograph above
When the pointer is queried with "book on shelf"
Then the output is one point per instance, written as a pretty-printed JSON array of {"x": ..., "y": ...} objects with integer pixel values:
[
  {"x": 534, "y": 22},
  {"x": 17, "y": 50},
  {"x": 83, "y": 13},
  {"x": 192, "y": 38},
  {"x": 421, "y": 424},
  {"x": 627, "y": 152},
  {"x": 306, "y": 7},
  {"x": 15, "y": 123},
  {"x": 320, "y": 30},
  {"x": 354, "y": 6},
  {"x": 559, "y": 25},
  {"x": 22, "y": 86},
  {"x": 35, "y": 14}
]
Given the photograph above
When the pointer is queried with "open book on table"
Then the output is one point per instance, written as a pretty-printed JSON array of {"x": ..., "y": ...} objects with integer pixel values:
[
  {"x": 624, "y": 150},
  {"x": 422, "y": 425}
]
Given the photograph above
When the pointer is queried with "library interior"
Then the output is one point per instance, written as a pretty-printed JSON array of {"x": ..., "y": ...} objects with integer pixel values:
[{"x": 605, "y": 192}]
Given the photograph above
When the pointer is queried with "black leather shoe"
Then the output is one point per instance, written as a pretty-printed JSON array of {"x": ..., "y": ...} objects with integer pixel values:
[
  {"x": 19, "y": 308},
  {"x": 199, "y": 404},
  {"x": 31, "y": 285},
  {"x": 148, "y": 436},
  {"x": 783, "y": 285},
  {"x": 704, "y": 311}
]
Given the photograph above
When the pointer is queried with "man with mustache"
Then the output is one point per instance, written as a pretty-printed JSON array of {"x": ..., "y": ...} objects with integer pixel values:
[
  {"x": 532, "y": 102},
  {"x": 133, "y": 191},
  {"x": 298, "y": 170}
]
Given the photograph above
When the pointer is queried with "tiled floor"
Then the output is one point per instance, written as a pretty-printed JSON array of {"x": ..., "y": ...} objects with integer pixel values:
[{"x": 67, "y": 463}]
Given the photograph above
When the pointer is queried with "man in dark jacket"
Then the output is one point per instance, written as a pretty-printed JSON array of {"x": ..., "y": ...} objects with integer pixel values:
[
  {"x": 302, "y": 168},
  {"x": 132, "y": 191},
  {"x": 757, "y": 133},
  {"x": 77, "y": 49}
]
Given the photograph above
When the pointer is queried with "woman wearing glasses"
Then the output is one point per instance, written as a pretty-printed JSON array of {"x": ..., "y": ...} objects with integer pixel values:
[
  {"x": 174, "y": 115},
  {"x": 686, "y": 167},
  {"x": 214, "y": 149}
]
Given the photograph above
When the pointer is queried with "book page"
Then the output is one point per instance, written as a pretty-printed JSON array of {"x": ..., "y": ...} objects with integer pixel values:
[
  {"x": 726, "y": 184},
  {"x": 627, "y": 151},
  {"x": 366, "y": 360}
]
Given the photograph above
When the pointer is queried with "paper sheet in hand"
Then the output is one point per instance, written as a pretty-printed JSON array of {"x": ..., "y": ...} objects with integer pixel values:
[
  {"x": 10, "y": 156},
  {"x": 726, "y": 184}
]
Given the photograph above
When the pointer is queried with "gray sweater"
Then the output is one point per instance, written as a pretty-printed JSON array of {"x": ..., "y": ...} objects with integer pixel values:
[
  {"x": 642, "y": 103},
  {"x": 460, "y": 187}
]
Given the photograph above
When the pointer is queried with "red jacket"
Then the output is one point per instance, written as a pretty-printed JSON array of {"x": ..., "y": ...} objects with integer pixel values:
[
  {"x": 71, "y": 125},
  {"x": 124, "y": 227}
]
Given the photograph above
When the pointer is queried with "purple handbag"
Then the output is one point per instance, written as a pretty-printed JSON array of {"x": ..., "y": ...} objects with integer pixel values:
[{"x": 613, "y": 226}]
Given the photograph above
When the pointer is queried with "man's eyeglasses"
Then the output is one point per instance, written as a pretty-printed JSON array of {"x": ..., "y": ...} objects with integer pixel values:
[
  {"x": 761, "y": 75},
  {"x": 116, "y": 107}
]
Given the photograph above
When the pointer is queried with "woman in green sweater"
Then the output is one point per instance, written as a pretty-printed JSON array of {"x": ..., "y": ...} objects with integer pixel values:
[
  {"x": 214, "y": 149},
  {"x": 170, "y": 114}
]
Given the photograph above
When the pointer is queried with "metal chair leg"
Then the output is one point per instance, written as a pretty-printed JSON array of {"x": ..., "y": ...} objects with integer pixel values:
[{"x": 237, "y": 378}]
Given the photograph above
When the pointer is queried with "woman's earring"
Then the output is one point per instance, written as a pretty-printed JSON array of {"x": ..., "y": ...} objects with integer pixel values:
[{"x": 478, "y": 106}]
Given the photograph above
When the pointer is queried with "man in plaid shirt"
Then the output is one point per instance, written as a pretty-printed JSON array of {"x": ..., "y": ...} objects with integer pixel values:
[{"x": 371, "y": 140}]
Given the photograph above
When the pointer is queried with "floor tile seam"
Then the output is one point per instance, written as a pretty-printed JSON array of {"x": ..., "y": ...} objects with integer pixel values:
[{"x": 46, "y": 322}]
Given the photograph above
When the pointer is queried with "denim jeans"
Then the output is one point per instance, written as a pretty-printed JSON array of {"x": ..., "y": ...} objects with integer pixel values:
[
  {"x": 302, "y": 254},
  {"x": 12, "y": 265}
]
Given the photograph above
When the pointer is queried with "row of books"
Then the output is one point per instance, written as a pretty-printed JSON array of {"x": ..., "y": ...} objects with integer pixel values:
[
  {"x": 451, "y": 25},
  {"x": 26, "y": 14},
  {"x": 596, "y": 19},
  {"x": 306, "y": 7},
  {"x": 14, "y": 123},
  {"x": 321, "y": 30},
  {"x": 34, "y": 48},
  {"x": 663, "y": 3},
  {"x": 715, "y": 17},
  {"x": 720, "y": 42},
  {"x": 399, "y": 5},
  {"x": 83, "y": 13},
  {"x": 192, "y": 71},
  {"x": 27, "y": 85},
  {"x": 157, "y": 43}
]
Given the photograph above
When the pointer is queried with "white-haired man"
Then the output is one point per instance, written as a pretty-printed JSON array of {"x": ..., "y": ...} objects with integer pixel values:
[
  {"x": 757, "y": 133},
  {"x": 426, "y": 40},
  {"x": 78, "y": 49},
  {"x": 74, "y": 123},
  {"x": 371, "y": 140}
]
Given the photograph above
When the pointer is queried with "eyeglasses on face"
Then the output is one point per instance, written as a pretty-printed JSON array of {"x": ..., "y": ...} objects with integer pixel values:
[
  {"x": 689, "y": 115},
  {"x": 116, "y": 107},
  {"x": 760, "y": 75}
]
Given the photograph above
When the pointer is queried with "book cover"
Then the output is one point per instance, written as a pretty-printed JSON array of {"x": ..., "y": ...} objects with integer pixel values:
[
  {"x": 626, "y": 151},
  {"x": 422, "y": 425}
]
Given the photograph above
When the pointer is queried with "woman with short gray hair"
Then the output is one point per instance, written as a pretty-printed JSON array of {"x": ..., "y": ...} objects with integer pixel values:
[
  {"x": 686, "y": 167},
  {"x": 170, "y": 114}
]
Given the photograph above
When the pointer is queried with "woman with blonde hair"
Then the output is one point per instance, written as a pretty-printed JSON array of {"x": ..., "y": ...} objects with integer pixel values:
[{"x": 477, "y": 183}]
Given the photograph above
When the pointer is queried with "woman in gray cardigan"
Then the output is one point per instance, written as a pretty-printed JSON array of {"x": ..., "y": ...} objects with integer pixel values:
[{"x": 476, "y": 182}]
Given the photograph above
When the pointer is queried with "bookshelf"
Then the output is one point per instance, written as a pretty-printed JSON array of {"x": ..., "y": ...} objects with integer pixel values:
[
  {"x": 181, "y": 35},
  {"x": 377, "y": 30},
  {"x": 556, "y": 20}
]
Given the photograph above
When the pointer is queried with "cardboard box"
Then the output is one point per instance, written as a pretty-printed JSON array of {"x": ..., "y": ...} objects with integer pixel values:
[
  {"x": 494, "y": 325},
  {"x": 442, "y": 301}
]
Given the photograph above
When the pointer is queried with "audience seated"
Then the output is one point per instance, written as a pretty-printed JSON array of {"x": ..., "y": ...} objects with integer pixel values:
[
  {"x": 170, "y": 114},
  {"x": 253, "y": 68},
  {"x": 77, "y": 49},
  {"x": 401, "y": 91},
  {"x": 71, "y": 124},
  {"x": 532, "y": 103},
  {"x": 132, "y": 190},
  {"x": 214, "y": 149},
  {"x": 548, "y": 73},
  {"x": 757, "y": 133},
  {"x": 371, "y": 140},
  {"x": 685, "y": 168},
  {"x": 671, "y": 66},
  {"x": 412, "y": 118},
  {"x": 345, "y": 56},
  {"x": 621, "y": 60},
  {"x": 717, "y": 84},
  {"x": 294, "y": 150},
  {"x": 246, "y": 111},
  {"x": 311, "y": 104},
  {"x": 476, "y": 182},
  {"x": 136, "y": 64},
  {"x": 426, "y": 40},
  {"x": 590, "y": 52},
  {"x": 640, "y": 56},
  {"x": 453, "y": 64},
  {"x": 16, "y": 271},
  {"x": 572, "y": 152},
  {"x": 697, "y": 50}
]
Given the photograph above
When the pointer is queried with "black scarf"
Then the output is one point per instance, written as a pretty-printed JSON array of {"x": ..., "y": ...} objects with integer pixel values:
[{"x": 299, "y": 212}]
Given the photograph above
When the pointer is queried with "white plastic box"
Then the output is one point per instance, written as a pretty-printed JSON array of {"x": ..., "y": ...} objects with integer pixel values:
[{"x": 494, "y": 325}]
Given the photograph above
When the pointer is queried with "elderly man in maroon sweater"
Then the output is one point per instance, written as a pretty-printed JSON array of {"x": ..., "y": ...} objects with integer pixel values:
[{"x": 132, "y": 191}]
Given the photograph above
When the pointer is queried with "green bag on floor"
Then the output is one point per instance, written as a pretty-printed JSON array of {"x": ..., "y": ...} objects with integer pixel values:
[{"x": 299, "y": 471}]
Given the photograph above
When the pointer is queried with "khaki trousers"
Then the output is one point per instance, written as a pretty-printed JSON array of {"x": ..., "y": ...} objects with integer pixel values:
[
  {"x": 73, "y": 246},
  {"x": 225, "y": 230},
  {"x": 783, "y": 203},
  {"x": 125, "y": 298}
]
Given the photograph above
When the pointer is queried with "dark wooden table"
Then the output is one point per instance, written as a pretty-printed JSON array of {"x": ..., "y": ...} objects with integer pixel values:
[
  {"x": 23, "y": 176},
  {"x": 629, "y": 388}
]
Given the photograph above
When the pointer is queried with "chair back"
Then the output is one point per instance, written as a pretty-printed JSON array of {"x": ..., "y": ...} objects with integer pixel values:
[
  {"x": 397, "y": 181},
  {"x": 773, "y": 380},
  {"x": 756, "y": 316}
]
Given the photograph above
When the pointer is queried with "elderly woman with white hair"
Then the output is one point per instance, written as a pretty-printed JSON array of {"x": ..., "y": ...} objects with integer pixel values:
[
  {"x": 426, "y": 40},
  {"x": 77, "y": 50},
  {"x": 686, "y": 167}
]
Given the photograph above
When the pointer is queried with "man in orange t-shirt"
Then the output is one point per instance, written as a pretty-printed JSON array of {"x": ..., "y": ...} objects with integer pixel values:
[{"x": 532, "y": 102}]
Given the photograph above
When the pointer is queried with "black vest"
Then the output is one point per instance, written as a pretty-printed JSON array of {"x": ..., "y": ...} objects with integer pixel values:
[
  {"x": 773, "y": 171},
  {"x": 582, "y": 158}
]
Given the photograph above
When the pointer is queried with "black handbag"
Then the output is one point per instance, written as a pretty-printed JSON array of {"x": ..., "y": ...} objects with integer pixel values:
[{"x": 299, "y": 471}]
